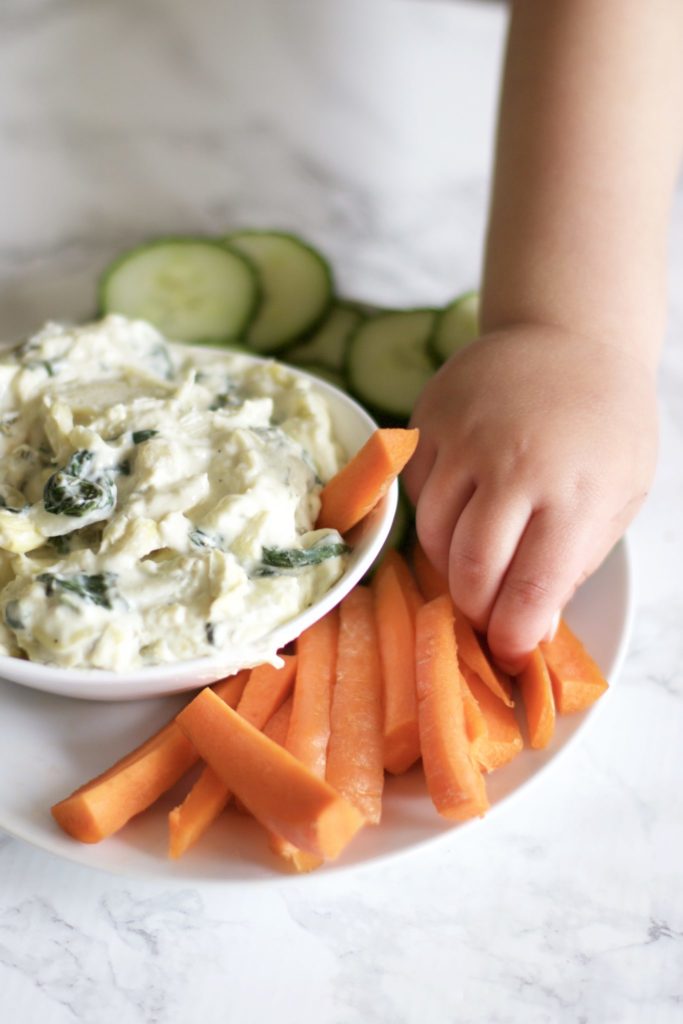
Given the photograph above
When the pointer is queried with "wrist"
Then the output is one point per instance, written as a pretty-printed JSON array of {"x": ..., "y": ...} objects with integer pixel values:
[
  {"x": 594, "y": 326},
  {"x": 642, "y": 352}
]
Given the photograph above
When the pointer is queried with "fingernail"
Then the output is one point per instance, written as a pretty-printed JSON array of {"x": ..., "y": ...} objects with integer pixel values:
[{"x": 552, "y": 629}]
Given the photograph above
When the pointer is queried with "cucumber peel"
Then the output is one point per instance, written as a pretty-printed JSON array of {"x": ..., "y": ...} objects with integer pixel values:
[
  {"x": 191, "y": 289},
  {"x": 333, "y": 377},
  {"x": 296, "y": 284},
  {"x": 327, "y": 345},
  {"x": 389, "y": 361},
  {"x": 456, "y": 326}
]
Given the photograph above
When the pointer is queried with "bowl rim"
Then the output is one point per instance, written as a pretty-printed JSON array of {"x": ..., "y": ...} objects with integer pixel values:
[{"x": 184, "y": 675}]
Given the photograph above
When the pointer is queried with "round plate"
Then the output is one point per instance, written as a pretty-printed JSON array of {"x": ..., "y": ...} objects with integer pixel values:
[
  {"x": 352, "y": 427},
  {"x": 49, "y": 745}
]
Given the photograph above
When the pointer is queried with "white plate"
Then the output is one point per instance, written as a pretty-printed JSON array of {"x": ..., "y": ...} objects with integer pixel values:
[
  {"x": 49, "y": 745},
  {"x": 352, "y": 426}
]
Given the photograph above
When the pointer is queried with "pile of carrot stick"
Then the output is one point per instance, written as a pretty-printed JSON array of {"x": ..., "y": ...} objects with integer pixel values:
[{"x": 394, "y": 676}]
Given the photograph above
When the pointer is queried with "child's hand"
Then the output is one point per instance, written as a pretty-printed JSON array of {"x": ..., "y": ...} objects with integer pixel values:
[{"x": 537, "y": 447}]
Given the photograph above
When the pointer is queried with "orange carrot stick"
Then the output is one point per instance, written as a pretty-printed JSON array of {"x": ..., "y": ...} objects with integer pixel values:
[
  {"x": 277, "y": 726},
  {"x": 503, "y": 739},
  {"x": 472, "y": 654},
  {"x": 355, "y": 490},
  {"x": 277, "y": 789},
  {"x": 309, "y": 728},
  {"x": 104, "y": 804},
  {"x": 277, "y": 730},
  {"x": 577, "y": 681},
  {"x": 189, "y": 820},
  {"x": 433, "y": 584},
  {"x": 537, "y": 697},
  {"x": 355, "y": 755},
  {"x": 396, "y": 633},
  {"x": 409, "y": 586},
  {"x": 301, "y": 860},
  {"x": 309, "y": 731},
  {"x": 266, "y": 689},
  {"x": 475, "y": 723},
  {"x": 264, "y": 692},
  {"x": 455, "y": 782}
]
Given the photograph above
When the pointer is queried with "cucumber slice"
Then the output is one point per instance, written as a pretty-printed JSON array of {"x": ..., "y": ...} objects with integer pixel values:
[
  {"x": 456, "y": 326},
  {"x": 191, "y": 289},
  {"x": 296, "y": 283},
  {"x": 389, "y": 361},
  {"x": 325, "y": 373},
  {"x": 327, "y": 345}
]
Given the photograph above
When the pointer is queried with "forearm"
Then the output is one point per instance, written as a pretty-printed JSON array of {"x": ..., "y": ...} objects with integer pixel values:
[{"x": 588, "y": 150}]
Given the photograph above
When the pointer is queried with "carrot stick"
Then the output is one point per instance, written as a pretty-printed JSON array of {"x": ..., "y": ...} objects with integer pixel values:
[
  {"x": 309, "y": 731},
  {"x": 409, "y": 586},
  {"x": 429, "y": 580},
  {"x": 277, "y": 730},
  {"x": 396, "y": 632},
  {"x": 104, "y": 804},
  {"x": 475, "y": 723},
  {"x": 301, "y": 860},
  {"x": 277, "y": 789},
  {"x": 277, "y": 726},
  {"x": 355, "y": 755},
  {"x": 309, "y": 728},
  {"x": 576, "y": 679},
  {"x": 537, "y": 697},
  {"x": 455, "y": 782},
  {"x": 472, "y": 654},
  {"x": 355, "y": 490},
  {"x": 188, "y": 821},
  {"x": 433, "y": 584},
  {"x": 265, "y": 690},
  {"x": 503, "y": 739}
]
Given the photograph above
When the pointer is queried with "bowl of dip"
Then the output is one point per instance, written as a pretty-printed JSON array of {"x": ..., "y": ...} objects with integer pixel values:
[{"x": 157, "y": 510}]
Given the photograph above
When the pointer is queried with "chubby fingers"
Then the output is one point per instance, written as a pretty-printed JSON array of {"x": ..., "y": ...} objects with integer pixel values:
[
  {"x": 416, "y": 473},
  {"x": 548, "y": 565},
  {"x": 444, "y": 494},
  {"x": 510, "y": 568},
  {"x": 482, "y": 545}
]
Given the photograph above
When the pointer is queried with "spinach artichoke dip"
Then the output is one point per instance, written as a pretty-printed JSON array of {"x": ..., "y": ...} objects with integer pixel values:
[{"x": 157, "y": 502}]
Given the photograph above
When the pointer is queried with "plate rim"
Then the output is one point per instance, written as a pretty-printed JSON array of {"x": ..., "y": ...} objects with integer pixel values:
[{"x": 80, "y": 854}]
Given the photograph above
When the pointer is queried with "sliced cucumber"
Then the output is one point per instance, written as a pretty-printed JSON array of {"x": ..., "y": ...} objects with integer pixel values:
[
  {"x": 296, "y": 282},
  {"x": 191, "y": 289},
  {"x": 325, "y": 373},
  {"x": 327, "y": 345},
  {"x": 231, "y": 344},
  {"x": 389, "y": 362},
  {"x": 456, "y": 326}
]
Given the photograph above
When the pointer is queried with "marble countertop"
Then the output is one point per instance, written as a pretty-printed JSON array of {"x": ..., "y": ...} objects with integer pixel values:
[{"x": 367, "y": 126}]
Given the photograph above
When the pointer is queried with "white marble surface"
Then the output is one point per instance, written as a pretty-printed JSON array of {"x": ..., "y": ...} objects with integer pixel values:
[{"x": 365, "y": 124}]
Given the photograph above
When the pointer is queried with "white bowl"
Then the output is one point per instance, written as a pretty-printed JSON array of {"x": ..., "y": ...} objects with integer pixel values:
[{"x": 352, "y": 426}]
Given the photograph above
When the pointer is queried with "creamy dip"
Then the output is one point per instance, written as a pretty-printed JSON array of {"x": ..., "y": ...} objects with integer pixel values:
[{"x": 157, "y": 502}]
